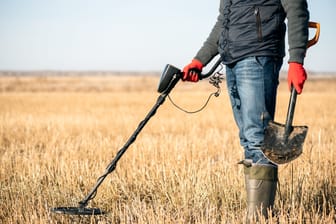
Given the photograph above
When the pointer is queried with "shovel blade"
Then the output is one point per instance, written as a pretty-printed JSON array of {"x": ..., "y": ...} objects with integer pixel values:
[{"x": 279, "y": 148}]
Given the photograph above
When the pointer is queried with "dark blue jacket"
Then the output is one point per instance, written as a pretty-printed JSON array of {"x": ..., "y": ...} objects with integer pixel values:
[{"x": 257, "y": 28}]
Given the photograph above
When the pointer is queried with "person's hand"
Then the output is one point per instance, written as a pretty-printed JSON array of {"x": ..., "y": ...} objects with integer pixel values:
[
  {"x": 192, "y": 70},
  {"x": 296, "y": 76}
]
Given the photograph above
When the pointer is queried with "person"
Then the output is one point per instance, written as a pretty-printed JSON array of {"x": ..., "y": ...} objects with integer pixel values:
[{"x": 249, "y": 36}]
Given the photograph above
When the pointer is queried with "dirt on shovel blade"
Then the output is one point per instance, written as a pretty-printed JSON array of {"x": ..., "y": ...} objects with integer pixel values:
[{"x": 281, "y": 149}]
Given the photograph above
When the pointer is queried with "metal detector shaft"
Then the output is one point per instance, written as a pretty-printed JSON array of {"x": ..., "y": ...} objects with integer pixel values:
[{"x": 111, "y": 167}]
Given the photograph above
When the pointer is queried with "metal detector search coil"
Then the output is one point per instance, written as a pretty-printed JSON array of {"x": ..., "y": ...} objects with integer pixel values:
[{"x": 77, "y": 211}]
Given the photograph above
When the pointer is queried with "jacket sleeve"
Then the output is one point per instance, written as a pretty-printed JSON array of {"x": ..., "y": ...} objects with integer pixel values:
[
  {"x": 297, "y": 20},
  {"x": 210, "y": 47}
]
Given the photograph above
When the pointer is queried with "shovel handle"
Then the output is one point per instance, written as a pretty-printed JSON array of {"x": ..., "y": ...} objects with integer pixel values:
[
  {"x": 293, "y": 96},
  {"x": 317, "y": 34},
  {"x": 290, "y": 112}
]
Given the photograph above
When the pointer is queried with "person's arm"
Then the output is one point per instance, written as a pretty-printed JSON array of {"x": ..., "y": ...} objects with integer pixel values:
[
  {"x": 297, "y": 19},
  {"x": 210, "y": 47},
  {"x": 207, "y": 52}
]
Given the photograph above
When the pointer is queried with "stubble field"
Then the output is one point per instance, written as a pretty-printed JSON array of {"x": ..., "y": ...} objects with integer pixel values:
[{"x": 58, "y": 134}]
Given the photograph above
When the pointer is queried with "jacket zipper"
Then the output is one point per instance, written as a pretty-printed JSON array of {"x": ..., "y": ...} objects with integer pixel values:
[{"x": 258, "y": 23}]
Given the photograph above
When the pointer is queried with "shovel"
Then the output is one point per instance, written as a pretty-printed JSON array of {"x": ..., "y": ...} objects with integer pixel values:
[{"x": 283, "y": 142}]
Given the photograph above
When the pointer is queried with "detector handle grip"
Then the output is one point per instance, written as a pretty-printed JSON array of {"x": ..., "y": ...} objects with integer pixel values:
[
  {"x": 171, "y": 75},
  {"x": 211, "y": 71}
]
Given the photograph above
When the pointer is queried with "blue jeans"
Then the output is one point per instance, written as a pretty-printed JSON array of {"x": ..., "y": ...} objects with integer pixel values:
[{"x": 252, "y": 85}]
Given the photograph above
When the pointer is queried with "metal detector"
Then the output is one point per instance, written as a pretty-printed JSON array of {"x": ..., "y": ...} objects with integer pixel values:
[{"x": 169, "y": 78}]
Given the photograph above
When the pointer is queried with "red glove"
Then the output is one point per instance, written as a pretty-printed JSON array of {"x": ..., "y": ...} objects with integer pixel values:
[
  {"x": 296, "y": 76},
  {"x": 192, "y": 70}
]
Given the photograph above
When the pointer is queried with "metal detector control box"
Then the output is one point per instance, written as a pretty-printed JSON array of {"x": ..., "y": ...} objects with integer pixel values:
[{"x": 169, "y": 77}]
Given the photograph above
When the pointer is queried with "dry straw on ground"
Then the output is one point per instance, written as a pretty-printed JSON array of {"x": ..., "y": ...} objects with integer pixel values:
[{"x": 58, "y": 134}]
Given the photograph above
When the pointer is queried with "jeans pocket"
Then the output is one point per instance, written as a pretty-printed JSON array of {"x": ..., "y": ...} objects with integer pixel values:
[{"x": 260, "y": 60}]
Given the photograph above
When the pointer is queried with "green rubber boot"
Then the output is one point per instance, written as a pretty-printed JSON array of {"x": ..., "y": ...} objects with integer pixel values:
[{"x": 261, "y": 184}]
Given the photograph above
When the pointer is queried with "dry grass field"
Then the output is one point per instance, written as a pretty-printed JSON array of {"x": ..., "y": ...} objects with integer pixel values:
[{"x": 58, "y": 134}]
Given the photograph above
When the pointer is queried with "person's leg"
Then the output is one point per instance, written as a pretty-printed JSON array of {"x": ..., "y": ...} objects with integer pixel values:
[
  {"x": 235, "y": 102},
  {"x": 260, "y": 184},
  {"x": 252, "y": 85}
]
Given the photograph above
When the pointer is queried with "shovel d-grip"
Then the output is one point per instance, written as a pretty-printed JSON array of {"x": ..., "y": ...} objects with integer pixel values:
[{"x": 169, "y": 78}]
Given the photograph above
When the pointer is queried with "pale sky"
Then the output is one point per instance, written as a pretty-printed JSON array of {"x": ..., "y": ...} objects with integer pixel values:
[{"x": 125, "y": 35}]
